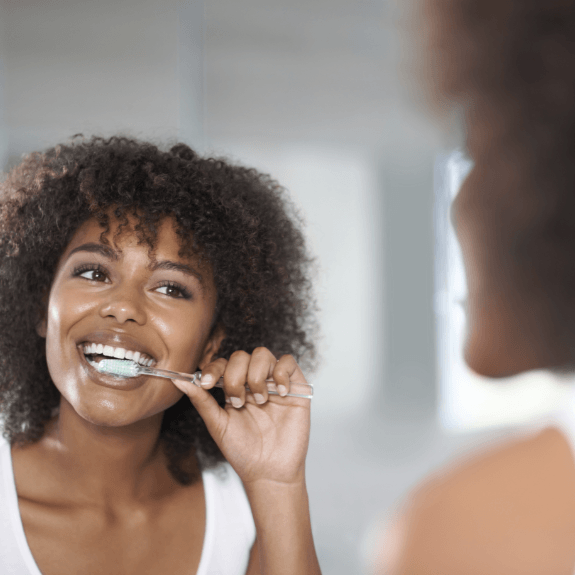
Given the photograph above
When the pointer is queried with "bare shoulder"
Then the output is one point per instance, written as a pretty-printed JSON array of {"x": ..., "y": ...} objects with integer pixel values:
[{"x": 510, "y": 510}]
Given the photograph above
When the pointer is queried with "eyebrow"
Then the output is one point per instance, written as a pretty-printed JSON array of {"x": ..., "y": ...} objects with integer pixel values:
[
  {"x": 175, "y": 266},
  {"x": 106, "y": 251},
  {"x": 112, "y": 254}
]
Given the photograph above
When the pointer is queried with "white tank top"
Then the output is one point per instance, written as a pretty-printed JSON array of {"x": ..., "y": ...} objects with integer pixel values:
[{"x": 228, "y": 539}]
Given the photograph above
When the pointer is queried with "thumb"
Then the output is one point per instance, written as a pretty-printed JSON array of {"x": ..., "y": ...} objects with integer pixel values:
[{"x": 213, "y": 415}]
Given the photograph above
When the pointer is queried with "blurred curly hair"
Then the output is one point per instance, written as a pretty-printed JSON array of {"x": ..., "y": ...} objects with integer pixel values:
[
  {"x": 509, "y": 67},
  {"x": 510, "y": 64},
  {"x": 236, "y": 218}
]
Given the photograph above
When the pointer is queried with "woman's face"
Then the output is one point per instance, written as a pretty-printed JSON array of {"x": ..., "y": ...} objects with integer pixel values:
[
  {"x": 509, "y": 327},
  {"x": 144, "y": 306}
]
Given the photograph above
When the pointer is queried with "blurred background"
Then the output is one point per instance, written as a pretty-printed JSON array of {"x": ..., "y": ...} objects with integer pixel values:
[{"x": 316, "y": 94}]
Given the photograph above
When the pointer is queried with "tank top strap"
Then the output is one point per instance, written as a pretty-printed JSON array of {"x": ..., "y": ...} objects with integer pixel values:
[{"x": 230, "y": 530}]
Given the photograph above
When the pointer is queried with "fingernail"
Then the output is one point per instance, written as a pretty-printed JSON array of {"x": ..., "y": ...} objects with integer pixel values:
[
  {"x": 237, "y": 402},
  {"x": 259, "y": 398},
  {"x": 282, "y": 390},
  {"x": 206, "y": 379},
  {"x": 228, "y": 400}
]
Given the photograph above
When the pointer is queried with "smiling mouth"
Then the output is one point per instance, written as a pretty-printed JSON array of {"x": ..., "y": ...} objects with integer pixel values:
[{"x": 96, "y": 352}]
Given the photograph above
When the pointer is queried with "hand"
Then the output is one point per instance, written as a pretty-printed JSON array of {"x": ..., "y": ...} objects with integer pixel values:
[{"x": 265, "y": 437}]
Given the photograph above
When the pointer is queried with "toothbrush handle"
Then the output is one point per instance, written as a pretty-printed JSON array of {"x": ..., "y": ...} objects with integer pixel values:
[
  {"x": 196, "y": 377},
  {"x": 191, "y": 377}
]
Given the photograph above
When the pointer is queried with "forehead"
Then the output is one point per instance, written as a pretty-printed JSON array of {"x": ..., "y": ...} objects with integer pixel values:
[{"x": 121, "y": 235}]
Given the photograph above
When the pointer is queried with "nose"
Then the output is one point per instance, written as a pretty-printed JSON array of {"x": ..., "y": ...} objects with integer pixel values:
[{"x": 124, "y": 305}]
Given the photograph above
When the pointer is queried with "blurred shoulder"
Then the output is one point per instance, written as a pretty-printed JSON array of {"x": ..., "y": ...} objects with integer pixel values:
[{"x": 509, "y": 510}]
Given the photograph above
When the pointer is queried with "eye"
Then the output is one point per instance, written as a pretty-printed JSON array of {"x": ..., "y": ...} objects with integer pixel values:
[
  {"x": 174, "y": 290},
  {"x": 92, "y": 273}
]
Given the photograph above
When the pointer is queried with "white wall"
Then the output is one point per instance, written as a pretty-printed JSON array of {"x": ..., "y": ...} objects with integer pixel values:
[
  {"x": 337, "y": 192},
  {"x": 101, "y": 67}
]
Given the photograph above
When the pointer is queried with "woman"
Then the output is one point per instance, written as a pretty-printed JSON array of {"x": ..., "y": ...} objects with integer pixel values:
[
  {"x": 115, "y": 248},
  {"x": 509, "y": 67}
]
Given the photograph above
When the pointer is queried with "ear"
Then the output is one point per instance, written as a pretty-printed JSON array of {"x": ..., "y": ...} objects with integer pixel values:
[
  {"x": 212, "y": 346},
  {"x": 41, "y": 328}
]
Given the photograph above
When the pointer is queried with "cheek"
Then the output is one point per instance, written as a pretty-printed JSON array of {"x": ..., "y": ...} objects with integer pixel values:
[
  {"x": 185, "y": 337},
  {"x": 65, "y": 309},
  {"x": 62, "y": 313},
  {"x": 185, "y": 350},
  {"x": 55, "y": 321}
]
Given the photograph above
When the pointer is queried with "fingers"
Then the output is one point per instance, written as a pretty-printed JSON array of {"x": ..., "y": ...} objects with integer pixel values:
[
  {"x": 255, "y": 370},
  {"x": 286, "y": 370},
  {"x": 213, "y": 372},
  {"x": 235, "y": 378},
  {"x": 260, "y": 368}
]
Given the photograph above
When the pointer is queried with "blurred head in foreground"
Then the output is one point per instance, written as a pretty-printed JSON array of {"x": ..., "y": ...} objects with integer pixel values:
[{"x": 508, "y": 68}]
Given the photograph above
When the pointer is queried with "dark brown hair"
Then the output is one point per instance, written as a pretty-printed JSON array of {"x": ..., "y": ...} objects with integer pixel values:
[{"x": 509, "y": 64}]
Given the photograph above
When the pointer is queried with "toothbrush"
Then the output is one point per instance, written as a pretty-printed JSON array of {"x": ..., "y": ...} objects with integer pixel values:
[{"x": 127, "y": 368}]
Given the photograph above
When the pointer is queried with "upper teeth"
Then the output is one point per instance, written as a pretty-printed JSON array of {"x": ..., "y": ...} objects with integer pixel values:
[{"x": 118, "y": 352}]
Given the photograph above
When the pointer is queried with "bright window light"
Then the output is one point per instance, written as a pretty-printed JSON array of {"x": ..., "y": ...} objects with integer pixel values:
[{"x": 468, "y": 401}]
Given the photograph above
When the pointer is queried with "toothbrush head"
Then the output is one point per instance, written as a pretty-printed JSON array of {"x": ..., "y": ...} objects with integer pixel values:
[{"x": 119, "y": 367}]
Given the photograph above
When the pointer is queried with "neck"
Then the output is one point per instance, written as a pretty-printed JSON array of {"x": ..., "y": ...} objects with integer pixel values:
[{"x": 109, "y": 465}]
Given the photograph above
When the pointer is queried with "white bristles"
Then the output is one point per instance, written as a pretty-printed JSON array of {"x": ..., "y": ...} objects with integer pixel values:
[{"x": 118, "y": 367}]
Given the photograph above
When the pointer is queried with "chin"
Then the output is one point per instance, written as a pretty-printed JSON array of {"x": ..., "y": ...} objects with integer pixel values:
[
  {"x": 490, "y": 355},
  {"x": 111, "y": 411},
  {"x": 104, "y": 414},
  {"x": 104, "y": 417},
  {"x": 486, "y": 362}
]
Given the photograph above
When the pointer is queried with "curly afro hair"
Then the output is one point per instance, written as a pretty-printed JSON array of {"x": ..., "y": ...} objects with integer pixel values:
[{"x": 235, "y": 217}]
